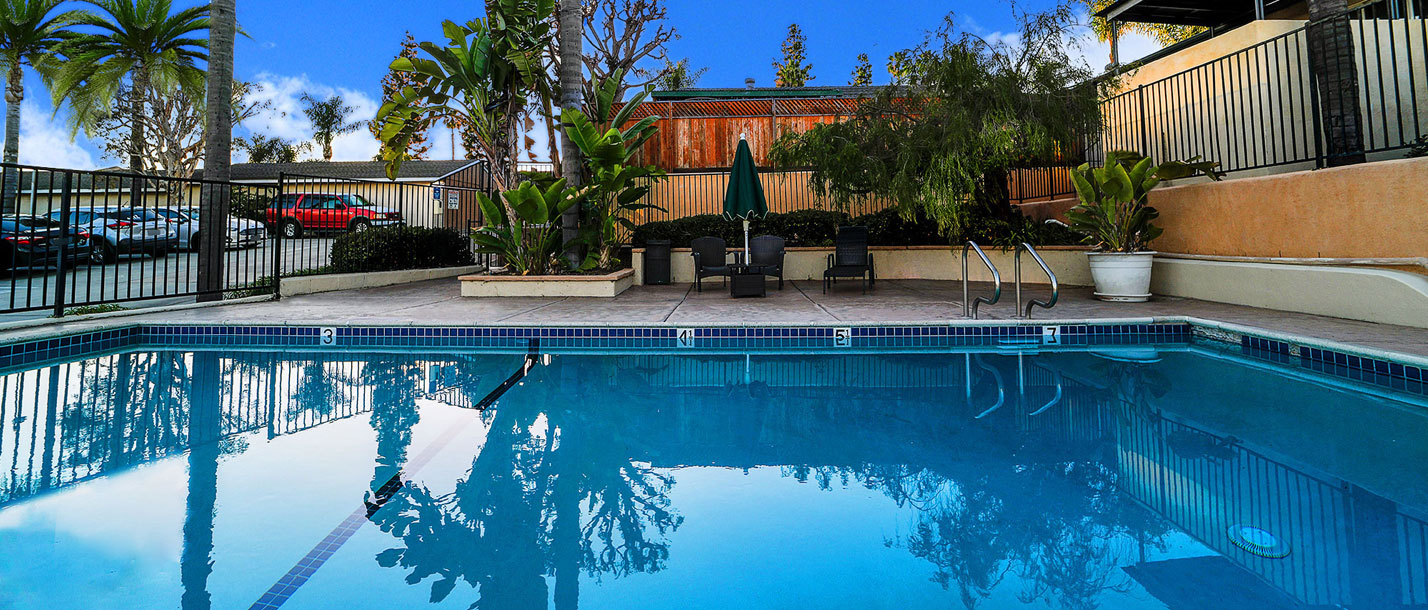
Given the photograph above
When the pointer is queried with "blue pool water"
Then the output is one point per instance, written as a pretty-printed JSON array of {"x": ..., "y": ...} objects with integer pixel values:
[{"x": 1172, "y": 476}]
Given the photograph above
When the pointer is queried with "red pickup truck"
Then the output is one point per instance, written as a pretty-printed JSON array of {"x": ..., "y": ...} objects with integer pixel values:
[{"x": 295, "y": 213}]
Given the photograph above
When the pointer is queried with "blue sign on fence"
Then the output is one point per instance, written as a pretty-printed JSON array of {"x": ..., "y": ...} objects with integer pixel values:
[{"x": 436, "y": 193}]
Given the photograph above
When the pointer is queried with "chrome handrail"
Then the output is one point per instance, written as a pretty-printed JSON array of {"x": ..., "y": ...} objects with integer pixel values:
[
  {"x": 1055, "y": 287},
  {"x": 969, "y": 307}
]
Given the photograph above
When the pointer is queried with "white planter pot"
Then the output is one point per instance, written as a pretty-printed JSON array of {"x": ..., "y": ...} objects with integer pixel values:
[{"x": 1121, "y": 277}]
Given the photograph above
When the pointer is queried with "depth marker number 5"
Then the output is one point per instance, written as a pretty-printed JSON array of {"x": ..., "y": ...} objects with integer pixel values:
[
  {"x": 842, "y": 337},
  {"x": 685, "y": 337},
  {"x": 327, "y": 336}
]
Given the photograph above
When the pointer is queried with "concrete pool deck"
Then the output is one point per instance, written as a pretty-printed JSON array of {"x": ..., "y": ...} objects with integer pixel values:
[{"x": 439, "y": 302}]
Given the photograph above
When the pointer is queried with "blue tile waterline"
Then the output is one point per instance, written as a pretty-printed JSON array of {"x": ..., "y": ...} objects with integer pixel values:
[{"x": 1377, "y": 371}]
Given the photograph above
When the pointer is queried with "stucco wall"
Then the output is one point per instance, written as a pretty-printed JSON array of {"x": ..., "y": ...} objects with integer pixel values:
[
  {"x": 909, "y": 262},
  {"x": 1372, "y": 210}
]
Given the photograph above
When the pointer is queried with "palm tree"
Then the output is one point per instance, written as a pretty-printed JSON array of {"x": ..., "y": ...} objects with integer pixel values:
[
  {"x": 572, "y": 93},
  {"x": 29, "y": 33},
  {"x": 143, "y": 40},
  {"x": 329, "y": 120},
  {"x": 218, "y": 148}
]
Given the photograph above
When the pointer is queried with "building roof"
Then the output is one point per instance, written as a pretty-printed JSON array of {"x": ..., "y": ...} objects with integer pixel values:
[
  {"x": 844, "y": 91},
  {"x": 412, "y": 171},
  {"x": 755, "y": 102},
  {"x": 1206, "y": 13}
]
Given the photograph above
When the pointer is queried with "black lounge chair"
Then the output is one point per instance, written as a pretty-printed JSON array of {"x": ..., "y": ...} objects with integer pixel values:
[
  {"x": 850, "y": 258},
  {"x": 766, "y": 256},
  {"x": 711, "y": 259}
]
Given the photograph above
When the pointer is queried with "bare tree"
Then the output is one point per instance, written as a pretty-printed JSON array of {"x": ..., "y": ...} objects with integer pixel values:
[
  {"x": 621, "y": 35},
  {"x": 173, "y": 127}
]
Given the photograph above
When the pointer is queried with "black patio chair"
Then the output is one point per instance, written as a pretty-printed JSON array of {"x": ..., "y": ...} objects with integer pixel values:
[
  {"x": 850, "y": 258},
  {"x": 711, "y": 258},
  {"x": 766, "y": 254}
]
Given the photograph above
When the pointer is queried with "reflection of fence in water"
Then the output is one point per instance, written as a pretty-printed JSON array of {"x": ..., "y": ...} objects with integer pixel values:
[
  {"x": 71, "y": 422},
  {"x": 1204, "y": 484}
]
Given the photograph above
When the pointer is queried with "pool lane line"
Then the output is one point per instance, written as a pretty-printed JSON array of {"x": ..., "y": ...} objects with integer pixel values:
[{"x": 298, "y": 575}]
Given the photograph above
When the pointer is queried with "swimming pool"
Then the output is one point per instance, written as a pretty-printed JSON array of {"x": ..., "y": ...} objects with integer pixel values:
[{"x": 1129, "y": 468}]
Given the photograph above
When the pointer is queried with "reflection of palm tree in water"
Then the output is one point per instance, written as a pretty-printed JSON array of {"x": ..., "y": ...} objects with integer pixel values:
[
  {"x": 516, "y": 518},
  {"x": 396, "y": 383}
]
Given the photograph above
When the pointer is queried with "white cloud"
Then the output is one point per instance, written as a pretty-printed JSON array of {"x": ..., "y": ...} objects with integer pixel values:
[
  {"x": 285, "y": 119},
  {"x": 45, "y": 141}
]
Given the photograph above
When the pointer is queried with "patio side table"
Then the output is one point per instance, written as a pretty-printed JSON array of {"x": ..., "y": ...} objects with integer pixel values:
[{"x": 746, "y": 281}]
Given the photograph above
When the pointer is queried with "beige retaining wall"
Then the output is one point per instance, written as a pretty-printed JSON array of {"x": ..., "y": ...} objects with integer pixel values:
[
  {"x": 908, "y": 262},
  {"x": 308, "y": 284},
  {"x": 1371, "y": 295}
]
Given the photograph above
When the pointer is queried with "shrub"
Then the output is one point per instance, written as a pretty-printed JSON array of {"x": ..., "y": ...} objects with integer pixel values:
[
  {"x": 885, "y": 228},
  {"x": 801, "y": 227},
  {"x": 397, "y": 248},
  {"x": 888, "y": 228}
]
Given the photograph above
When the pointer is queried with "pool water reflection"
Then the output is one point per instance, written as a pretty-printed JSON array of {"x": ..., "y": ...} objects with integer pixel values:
[{"x": 1119, "y": 479}]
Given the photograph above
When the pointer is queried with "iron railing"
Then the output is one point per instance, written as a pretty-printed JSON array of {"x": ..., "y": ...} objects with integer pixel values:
[
  {"x": 1260, "y": 106},
  {"x": 311, "y": 212},
  {"x": 72, "y": 238}
]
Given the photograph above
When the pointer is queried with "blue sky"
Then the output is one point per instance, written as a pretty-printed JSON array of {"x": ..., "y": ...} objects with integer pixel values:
[{"x": 344, "y": 47}]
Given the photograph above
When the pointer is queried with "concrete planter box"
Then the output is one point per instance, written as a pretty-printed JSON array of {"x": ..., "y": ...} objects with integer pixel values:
[
  {"x": 909, "y": 263},
  {"x": 602, "y": 286},
  {"x": 308, "y": 284}
]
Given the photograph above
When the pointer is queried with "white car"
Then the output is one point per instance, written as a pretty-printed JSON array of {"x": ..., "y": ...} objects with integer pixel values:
[
  {"x": 116, "y": 230},
  {"x": 242, "y": 232}
]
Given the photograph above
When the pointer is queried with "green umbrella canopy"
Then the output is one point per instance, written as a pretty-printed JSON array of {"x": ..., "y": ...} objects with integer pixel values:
[{"x": 745, "y": 197}]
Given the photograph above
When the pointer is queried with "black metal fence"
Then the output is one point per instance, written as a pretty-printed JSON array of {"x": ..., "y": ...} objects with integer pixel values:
[
  {"x": 312, "y": 212},
  {"x": 1260, "y": 106},
  {"x": 71, "y": 238},
  {"x": 80, "y": 239}
]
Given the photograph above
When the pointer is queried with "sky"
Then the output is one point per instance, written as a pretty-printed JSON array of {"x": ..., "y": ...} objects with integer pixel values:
[{"x": 343, "y": 47}]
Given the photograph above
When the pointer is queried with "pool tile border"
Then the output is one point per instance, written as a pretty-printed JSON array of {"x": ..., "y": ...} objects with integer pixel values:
[{"x": 1360, "y": 364}]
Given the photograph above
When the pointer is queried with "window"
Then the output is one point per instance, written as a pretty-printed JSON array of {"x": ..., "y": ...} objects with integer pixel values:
[
  {"x": 310, "y": 202},
  {"x": 356, "y": 201}
]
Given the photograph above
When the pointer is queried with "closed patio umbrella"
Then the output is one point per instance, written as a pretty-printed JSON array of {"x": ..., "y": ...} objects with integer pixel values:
[{"x": 745, "y": 198}]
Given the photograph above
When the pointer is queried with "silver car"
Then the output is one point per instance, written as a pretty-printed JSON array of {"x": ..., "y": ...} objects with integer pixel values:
[
  {"x": 242, "y": 232},
  {"x": 116, "y": 230}
]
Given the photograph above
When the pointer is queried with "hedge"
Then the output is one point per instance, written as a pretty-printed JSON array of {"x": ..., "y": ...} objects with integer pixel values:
[
  {"x": 397, "y": 248},
  {"x": 885, "y": 228}
]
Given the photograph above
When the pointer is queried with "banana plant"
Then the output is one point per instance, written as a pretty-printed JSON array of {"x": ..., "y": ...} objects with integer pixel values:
[
  {"x": 483, "y": 76},
  {"x": 616, "y": 188},
  {"x": 1113, "y": 213},
  {"x": 527, "y": 236}
]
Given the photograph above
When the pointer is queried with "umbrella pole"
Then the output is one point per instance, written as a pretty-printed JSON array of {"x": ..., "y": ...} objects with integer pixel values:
[{"x": 746, "y": 241}]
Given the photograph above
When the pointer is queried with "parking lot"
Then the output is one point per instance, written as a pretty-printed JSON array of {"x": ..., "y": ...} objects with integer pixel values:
[{"x": 149, "y": 278}]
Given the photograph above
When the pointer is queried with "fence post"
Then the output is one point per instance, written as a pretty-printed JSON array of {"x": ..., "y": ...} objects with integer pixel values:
[
  {"x": 62, "y": 272},
  {"x": 277, "y": 231},
  {"x": 1144, "y": 133}
]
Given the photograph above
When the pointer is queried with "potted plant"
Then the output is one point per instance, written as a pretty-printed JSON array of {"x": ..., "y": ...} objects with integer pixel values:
[{"x": 1114, "y": 216}]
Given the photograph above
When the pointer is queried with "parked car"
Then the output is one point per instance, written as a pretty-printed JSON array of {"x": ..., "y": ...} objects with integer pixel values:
[
  {"x": 116, "y": 230},
  {"x": 293, "y": 214},
  {"x": 242, "y": 232},
  {"x": 33, "y": 242}
]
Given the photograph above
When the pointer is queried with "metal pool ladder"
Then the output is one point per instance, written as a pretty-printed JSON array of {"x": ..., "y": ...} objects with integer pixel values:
[
  {"x": 1055, "y": 288},
  {"x": 969, "y": 306}
]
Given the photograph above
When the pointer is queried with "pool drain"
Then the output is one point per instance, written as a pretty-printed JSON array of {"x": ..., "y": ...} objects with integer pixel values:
[{"x": 1258, "y": 541}]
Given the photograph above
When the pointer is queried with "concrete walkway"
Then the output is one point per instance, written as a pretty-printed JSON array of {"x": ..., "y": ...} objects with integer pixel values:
[{"x": 439, "y": 302}]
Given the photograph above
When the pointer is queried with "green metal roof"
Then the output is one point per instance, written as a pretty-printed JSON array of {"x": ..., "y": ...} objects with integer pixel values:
[{"x": 764, "y": 93}]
